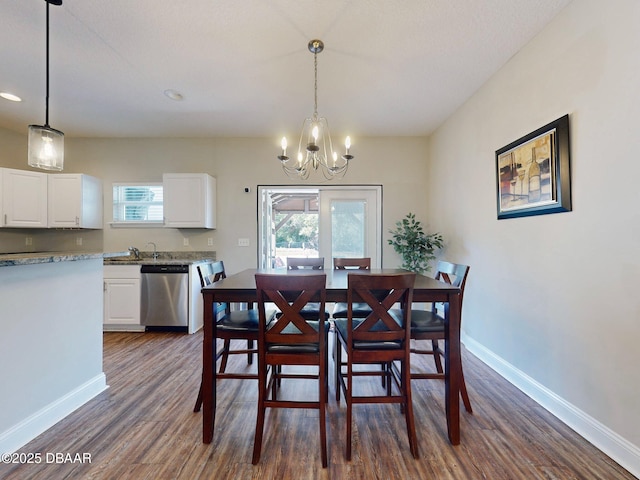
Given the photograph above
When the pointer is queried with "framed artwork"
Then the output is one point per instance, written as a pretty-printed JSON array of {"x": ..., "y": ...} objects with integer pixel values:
[{"x": 533, "y": 173}]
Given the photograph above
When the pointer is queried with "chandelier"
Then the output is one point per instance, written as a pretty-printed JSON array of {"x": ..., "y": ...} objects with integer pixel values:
[
  {"x": 46, "y": 144},
  {"x": 315, "y": 150}
]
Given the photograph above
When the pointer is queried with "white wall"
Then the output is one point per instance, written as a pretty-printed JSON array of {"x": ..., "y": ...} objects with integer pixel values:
[
  {"x": 50, "y": 345},
  {"x": 552, "y": 300},
  {"x": 399, "y": 164}
]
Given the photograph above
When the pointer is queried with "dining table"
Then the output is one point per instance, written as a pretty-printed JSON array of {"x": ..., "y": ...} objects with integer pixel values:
[{"x": 241, "y": 287}]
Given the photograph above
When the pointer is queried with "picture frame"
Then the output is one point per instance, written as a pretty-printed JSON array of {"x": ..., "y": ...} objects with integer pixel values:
[{"x": 533, "y": 175}]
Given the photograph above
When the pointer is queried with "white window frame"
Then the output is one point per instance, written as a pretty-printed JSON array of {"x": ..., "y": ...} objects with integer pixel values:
[{"x": 119, "y": 203}]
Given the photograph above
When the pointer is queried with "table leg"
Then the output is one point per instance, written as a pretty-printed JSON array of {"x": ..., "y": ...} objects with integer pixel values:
[
  {"x": 453, "y": 368},
  {"x": 208, "y": 371}
]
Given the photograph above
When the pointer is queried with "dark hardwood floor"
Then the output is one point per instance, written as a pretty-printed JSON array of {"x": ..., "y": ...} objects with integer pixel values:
[{"x": 143, "y": 427}]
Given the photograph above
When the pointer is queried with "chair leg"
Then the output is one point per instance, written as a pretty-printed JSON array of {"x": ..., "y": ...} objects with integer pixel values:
[
  {"x": 250, "y": 354},
  {"x": 337, "y": 359},
  {"x": 262, "y": 392},
  {"x": 435, "y": 346},
  {"x": 322, "y": 400},
  {"x": 408, "y": 410},
  {"x": 198, "y": 404},
  {"x": 464, "y": 394},
  {"x": 225, "y": 355},
  {"x": 347, "y": 397}
]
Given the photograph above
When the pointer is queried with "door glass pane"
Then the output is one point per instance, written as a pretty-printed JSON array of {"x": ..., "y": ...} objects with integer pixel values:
[{"x": 348, "y": 227}]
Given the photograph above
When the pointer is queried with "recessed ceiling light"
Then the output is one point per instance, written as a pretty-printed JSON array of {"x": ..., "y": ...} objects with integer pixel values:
[
  {"x": 10, "y": 96},
  {"x": 173, "y": 95}
]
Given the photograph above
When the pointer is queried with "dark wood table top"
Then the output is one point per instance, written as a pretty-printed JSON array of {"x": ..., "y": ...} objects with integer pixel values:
[{"x": 242, "y": 285}]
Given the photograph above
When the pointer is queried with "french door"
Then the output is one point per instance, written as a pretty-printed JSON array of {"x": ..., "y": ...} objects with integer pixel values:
[
  {"x": 350, "y": 224},
  {"x": 349, "y": 220}
]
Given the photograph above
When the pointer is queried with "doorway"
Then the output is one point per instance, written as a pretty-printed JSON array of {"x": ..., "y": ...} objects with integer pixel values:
[{"x": 312, "y": 221}]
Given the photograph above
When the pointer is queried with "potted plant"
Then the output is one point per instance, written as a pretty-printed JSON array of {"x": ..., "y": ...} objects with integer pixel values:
[{"x": 414, "y": 245}]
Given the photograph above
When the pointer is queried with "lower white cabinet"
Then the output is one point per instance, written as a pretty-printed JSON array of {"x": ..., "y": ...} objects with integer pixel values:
[{"x": 122, "y": 298}]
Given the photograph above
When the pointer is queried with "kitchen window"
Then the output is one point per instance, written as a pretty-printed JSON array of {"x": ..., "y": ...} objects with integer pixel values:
[{"x": 139, "y": 203}]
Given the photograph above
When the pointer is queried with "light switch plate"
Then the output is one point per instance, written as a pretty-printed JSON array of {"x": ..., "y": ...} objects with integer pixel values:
[{"x": 243, "y": 242}]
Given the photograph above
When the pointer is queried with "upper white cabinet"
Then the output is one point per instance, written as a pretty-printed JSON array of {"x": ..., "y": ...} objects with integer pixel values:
[
  {"x": 24, "y": 198},
  {"x": 75, "y": 201},
  {"x": 189, "y": 200}
]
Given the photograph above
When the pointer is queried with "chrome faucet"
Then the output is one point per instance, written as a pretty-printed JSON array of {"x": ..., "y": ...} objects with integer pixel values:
[
  {"x": 155, "y": 250},
  {"x": 136, "y": 252}
]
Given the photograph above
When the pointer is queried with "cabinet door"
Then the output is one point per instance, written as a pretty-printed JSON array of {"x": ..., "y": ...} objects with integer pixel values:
[
  {"x": 24, "y": 199},
  {"x": 75, "y": 201},
  {"x": 189, "y": 200},
  {"x": 122, "y": 301},
  {"x": 65, "y": 197}
]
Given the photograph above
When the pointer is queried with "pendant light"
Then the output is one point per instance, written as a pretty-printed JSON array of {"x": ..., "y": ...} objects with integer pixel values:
[{"x": 46, "y": 144}]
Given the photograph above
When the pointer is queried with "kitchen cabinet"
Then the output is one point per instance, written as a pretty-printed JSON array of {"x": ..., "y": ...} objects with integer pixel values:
[
  {"x": 122, "y": 298},
  {"x": 24, "y": 198},
  {"x": 189, "y": 200},
  {"x": 75, "y": 201}
]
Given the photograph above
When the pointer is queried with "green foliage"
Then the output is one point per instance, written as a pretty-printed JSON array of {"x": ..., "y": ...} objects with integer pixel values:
[
  {"x": 299, "y": 229},
  {"x": 414, "y": 245}
]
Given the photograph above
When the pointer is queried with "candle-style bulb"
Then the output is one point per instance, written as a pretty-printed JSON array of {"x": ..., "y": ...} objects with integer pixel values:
[
  {"x": 284, "y": 146},
  {"x": 314, "y": 133},
  {"x": 347, "y": 143}
]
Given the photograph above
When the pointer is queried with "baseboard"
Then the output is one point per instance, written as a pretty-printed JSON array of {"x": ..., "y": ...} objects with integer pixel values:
[
  {"x": 32, "y": 426},
  {"x": 618, "y": 448}
]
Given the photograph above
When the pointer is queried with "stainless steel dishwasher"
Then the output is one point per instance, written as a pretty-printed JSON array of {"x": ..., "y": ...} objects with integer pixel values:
[{"x": 165, "y": 296}]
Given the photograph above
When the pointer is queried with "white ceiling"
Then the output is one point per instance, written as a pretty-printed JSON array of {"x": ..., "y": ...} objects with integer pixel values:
[{"x": 394, "y": 67}]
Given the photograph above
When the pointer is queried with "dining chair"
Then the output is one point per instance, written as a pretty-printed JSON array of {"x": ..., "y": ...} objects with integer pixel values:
[
  {"x": 340, "y": 308},
  {"x": 297, "y": 263},
  {"x": 291, "y": 339},
  {"x": 230, "y": 325},
  {"x": 429, "y": 325},
  {"x": 380, "y": 338},
  {"x": 310, "y": 311}
]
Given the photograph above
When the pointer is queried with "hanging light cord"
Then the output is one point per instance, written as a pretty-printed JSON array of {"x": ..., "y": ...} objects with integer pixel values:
[
  {"x": 46, "y": 110},
  {"x": 315, "y": 85}
]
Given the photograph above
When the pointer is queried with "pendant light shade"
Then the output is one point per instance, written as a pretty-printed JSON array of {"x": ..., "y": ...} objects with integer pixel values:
[
  {"x": 46, "y": 147},
  {"x": 46, "y": 144}
]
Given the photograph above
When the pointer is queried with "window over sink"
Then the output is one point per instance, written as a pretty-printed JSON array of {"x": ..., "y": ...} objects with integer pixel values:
[{"x": 138, "y": 203}]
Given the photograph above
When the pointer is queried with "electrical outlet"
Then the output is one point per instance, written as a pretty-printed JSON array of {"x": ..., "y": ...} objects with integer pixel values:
[
  {"x": 210, "y": 242},
  {"x": 185, "y": 242},
  {"x": 78, "y": 241},
  {"x": 28, "y": 241},
  {"x": 243, "y": 242}
]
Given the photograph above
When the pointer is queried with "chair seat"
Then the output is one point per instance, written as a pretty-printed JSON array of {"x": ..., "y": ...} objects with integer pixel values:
[
  {"x": 311, "y": 311},
  {"x": 301, "y": 347},
  {"x": 424, "y": 321},
  {"x": 359, "y": 310},
  {"x": 342, "y": 328},
  {"x": 242, "y": 320}
]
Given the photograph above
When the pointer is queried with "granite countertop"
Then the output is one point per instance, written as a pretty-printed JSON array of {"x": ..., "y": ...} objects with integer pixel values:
[
  {"x": 164, "y": 258},
  {"x": 30, "y": 258},
  {"x": 109, "y": 258}
]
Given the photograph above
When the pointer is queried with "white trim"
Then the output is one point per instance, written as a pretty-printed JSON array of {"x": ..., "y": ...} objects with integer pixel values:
[
  {"x": 32, "y": 426},
  {"x": 618, "y": 448}
]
